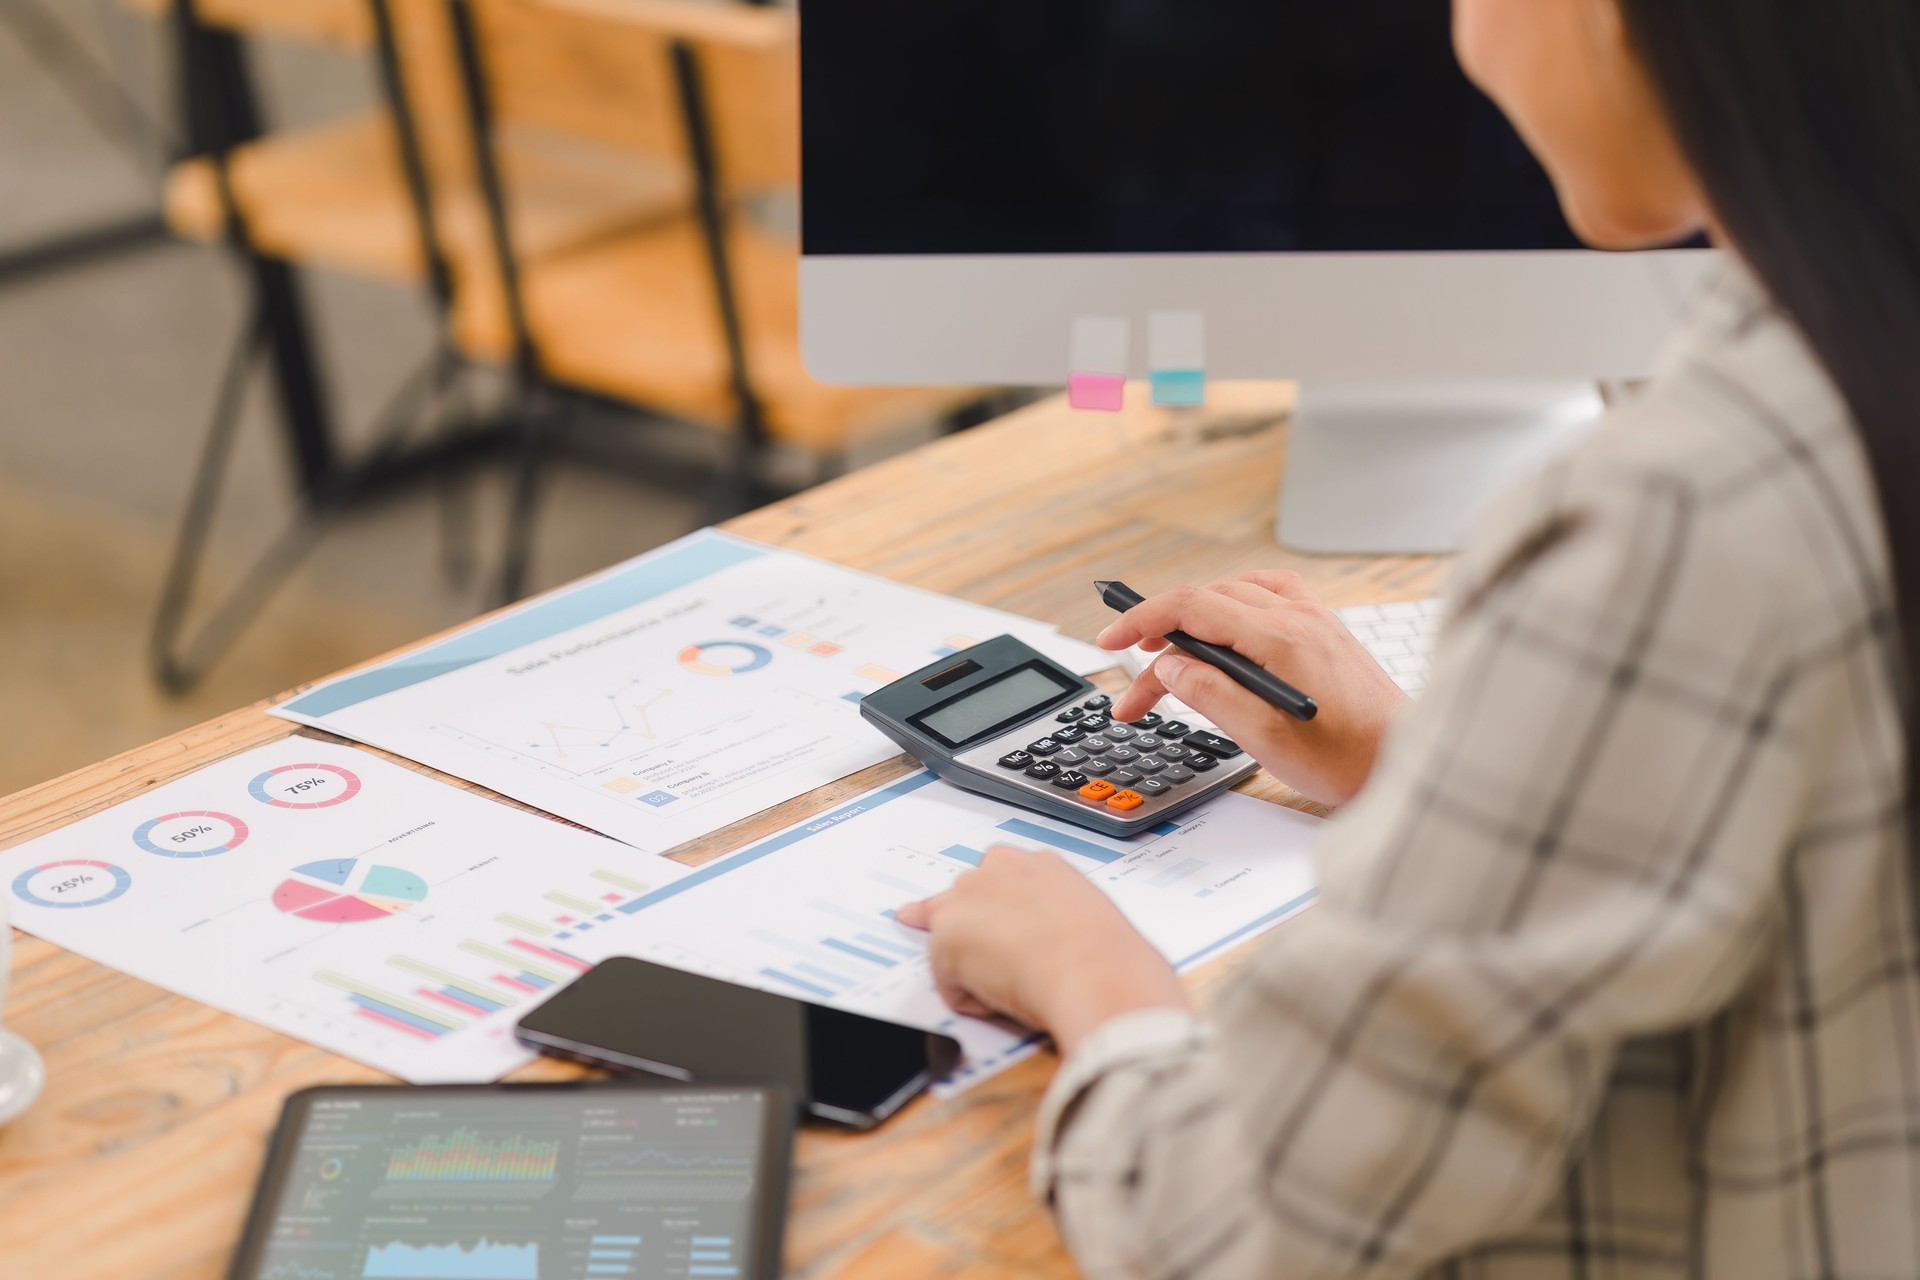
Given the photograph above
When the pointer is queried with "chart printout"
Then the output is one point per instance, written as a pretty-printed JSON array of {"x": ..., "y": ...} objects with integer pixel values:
[
  {"x": 670, "y": 696},
  {"x": 330, "y": 895},
  {"x": 810, "y": 912}
]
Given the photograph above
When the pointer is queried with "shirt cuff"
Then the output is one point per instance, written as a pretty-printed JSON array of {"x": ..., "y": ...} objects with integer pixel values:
[{"x": 1145, "y": 1035}]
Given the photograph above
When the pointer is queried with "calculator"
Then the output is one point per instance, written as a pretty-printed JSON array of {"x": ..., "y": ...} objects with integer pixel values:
[{"x": 1004, "y": 720}]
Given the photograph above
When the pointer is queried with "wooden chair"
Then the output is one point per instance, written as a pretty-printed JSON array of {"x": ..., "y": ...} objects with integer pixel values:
[
  {"x": 390, "y": 194},
  {"x": 696, "y": 317}
]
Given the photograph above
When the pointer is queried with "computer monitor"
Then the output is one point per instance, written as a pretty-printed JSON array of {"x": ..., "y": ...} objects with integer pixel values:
[{"x": 1315, "y": 177}]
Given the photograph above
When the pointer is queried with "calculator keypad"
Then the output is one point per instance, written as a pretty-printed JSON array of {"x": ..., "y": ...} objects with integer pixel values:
[
  {"x": 1098, "y": 702},
  {"x": 1081, "y": 755}
]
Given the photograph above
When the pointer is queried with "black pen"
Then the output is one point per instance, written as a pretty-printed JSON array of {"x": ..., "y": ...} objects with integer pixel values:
[{"x": 1247, "y": 673}]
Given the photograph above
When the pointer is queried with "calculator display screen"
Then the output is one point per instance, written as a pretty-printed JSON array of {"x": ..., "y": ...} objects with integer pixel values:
[{"x": 997, "y": 705}]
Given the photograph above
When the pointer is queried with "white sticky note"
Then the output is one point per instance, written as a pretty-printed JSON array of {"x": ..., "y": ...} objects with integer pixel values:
[
  {"x": 1177, "y": 342},
  {"x": 1099, "y": 346}
]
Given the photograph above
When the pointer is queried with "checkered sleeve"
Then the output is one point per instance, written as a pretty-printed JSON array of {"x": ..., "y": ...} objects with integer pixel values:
[{"x": 1574, "y": 840}]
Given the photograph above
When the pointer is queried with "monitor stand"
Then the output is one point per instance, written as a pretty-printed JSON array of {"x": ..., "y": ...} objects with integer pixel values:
[{"x": 1406, "y": 468}]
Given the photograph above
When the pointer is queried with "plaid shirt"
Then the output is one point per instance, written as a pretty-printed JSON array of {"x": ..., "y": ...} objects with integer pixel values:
[{"x": 1614, "y": 972}]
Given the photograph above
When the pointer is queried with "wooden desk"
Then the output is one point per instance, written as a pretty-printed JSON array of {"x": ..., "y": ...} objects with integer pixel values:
[{"x": 139, "y": 1159}]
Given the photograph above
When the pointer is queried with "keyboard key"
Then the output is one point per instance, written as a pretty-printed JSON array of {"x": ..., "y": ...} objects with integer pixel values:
[
  {"x": 1211, "y": 743},
  {"x": 1044, "y": 770},
  {"x": 1044, "y": 747},
  {"x": 1124, "y": 777},
  {"x": 1016, "y": 760},
  {"x": 1200, "y": 762},
  {"x": 1151, "y": 787},
  {"x": 1098, "y": 768},
  {"x": 1124, "y": 800},
  {"x": 1147, "y": 742},
  {"x": 1177, "y": 775},
  {"x": 1071, "y": 780},
  {"x": 1118, "y": 732},
  {"x": 1149, "y": 764},
  {"x": 1123, "y": 755},
  {"x": 1072, "y": 733},
  {"x": 1096, "y": 745},
  {"x": 1098, "y": 702},
  {"x": 1151, "y": 720},
  {"x": 1071, "y": 758},
  {"x": 1173, "y": 755},
  {"x": 1097, "y": 790},
  {"x": 1174, "y": 729},
  {"x": 1095, "y": 723},
  {"x": 1070, "y": 715}
]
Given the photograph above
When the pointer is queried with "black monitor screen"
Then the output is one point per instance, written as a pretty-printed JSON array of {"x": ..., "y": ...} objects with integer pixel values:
[{"x": 1155, "y": 126}]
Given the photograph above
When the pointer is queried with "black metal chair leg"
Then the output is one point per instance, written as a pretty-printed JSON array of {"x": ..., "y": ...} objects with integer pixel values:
[
  {"x": 181, "y": 660},
  {"x": 543, "y": 416}
]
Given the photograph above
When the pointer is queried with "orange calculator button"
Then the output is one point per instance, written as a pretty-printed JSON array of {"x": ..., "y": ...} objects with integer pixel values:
[
  {"x": 1097, "y": 790},
  {"x": 1126, "y": 800}
]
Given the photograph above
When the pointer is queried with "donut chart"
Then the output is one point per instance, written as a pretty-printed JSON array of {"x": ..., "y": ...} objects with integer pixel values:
[
  {"x": 725, "y": 657},
  {"x": 348, "y": 891},
  {"x": 305, "y": 786},
  {"x": 74, "y": 883},
  {"x": 192, "y": 833}
]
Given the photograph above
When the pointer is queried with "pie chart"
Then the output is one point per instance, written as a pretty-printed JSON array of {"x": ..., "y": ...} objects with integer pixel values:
[
  {"x": 347, "y": 891},
  {"x": 724, "y": 657}
]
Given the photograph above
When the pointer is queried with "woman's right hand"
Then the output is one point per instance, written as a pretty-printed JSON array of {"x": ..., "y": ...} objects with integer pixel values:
[{"x": 1273, "y": 619}]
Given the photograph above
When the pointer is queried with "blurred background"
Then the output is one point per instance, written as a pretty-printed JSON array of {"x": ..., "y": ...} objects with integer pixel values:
[{"x": 453, "y": 301}]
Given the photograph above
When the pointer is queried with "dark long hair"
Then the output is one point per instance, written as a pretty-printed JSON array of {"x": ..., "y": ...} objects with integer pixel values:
[{"x": 1802, "y": 120}]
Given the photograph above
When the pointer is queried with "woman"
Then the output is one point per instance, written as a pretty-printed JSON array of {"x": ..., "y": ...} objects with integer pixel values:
[{"x": 1615, "y": 970}]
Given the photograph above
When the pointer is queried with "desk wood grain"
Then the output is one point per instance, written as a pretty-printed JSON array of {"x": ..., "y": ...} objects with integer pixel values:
[{"x": 139, "y": 1160}]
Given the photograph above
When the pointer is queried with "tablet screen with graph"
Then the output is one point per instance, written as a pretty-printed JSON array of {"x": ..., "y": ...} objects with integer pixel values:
[{"x": 507, "y": 1182}]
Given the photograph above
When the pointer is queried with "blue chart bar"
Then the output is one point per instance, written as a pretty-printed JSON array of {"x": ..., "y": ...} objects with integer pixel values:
[
  {"x": 960, "y": 853},
  {"x": 1060, "y": 840},
  {"x": 1164, "y": 828},
  {"x": 616, "y": 1240},
  {"x": 712, "y": 1242},
  {"x": 609, "y": 1253},
  {"x": 884, "y": 944},
  {"x": 710, "y": 1255},
  {"x": 812, "y": 989},
  {"x": 871, "y": 957},
  {"x": 705, "y": 1269},
  {"x": 609, "y": 1269},
  {"x": 826, "y": 975},
  {"x": 1175, "y": 874}
]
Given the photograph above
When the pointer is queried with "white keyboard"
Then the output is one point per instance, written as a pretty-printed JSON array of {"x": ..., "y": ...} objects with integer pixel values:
[{"x": 1399, "y": 636}]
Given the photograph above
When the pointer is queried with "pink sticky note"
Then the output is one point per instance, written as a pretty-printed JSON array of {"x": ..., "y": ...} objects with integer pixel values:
[{"x": 1096, "y": 391}]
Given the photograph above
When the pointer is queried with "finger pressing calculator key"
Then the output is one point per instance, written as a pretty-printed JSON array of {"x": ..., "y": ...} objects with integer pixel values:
[{"x": 1004, "y": 720}]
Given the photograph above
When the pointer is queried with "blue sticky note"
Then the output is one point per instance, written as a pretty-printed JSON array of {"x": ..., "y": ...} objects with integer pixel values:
[{"x": 1179, "y": 388}]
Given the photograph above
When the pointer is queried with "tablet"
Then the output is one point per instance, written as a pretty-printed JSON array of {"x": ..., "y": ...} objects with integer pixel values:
[{"x": 584, "y": 1181}]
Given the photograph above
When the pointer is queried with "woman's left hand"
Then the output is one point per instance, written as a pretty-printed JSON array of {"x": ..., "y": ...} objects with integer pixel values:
[{"x": 1029, "y": 937}]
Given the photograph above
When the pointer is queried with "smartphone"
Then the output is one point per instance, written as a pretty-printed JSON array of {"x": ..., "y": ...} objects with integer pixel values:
[{"x": 632, "y": 1015}]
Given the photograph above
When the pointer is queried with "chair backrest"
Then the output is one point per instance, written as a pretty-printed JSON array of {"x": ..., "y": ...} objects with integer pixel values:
[{"x": 605, "y": 71}]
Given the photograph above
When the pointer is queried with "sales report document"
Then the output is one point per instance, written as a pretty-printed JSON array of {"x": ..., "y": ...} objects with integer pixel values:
[{"x": 671, "y": 695}]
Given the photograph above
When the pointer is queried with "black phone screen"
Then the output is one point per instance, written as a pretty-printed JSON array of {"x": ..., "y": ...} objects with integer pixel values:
[{"x": 640, "y": 1016}]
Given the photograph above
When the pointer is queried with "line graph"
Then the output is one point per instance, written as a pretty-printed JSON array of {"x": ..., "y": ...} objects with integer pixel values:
[
  {"x": 652, "y": 1159},
  {"x": 561, "y": 740}
]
